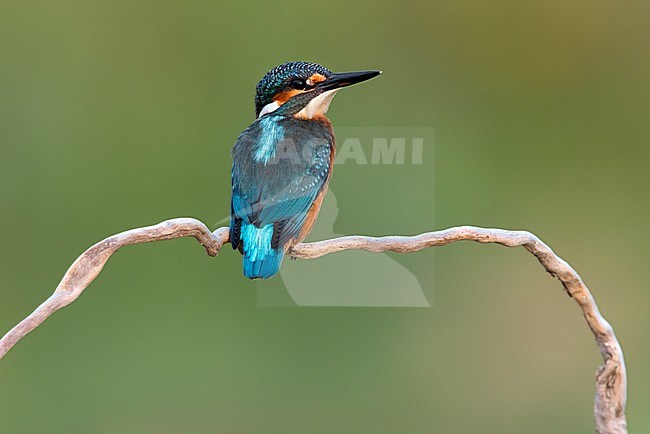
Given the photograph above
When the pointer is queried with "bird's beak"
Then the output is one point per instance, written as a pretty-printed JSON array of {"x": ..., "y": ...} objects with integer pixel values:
[{"x": 342, "y": 79}]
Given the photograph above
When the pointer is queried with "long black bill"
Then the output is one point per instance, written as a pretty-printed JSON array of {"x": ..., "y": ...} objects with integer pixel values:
[{"x": 342, "y": 79}]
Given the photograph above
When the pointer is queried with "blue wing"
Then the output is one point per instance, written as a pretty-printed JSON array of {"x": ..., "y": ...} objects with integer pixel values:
[{"x": 280, "y": 166}]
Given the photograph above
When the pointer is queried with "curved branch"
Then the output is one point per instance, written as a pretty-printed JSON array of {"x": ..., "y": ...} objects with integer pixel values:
[
  {"x": 611, "y": 378},
  {"x": 610, "y": 400},
  {"x": 91, "y": 262}
]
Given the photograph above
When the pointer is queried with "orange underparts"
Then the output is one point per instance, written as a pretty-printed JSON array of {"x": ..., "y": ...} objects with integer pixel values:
[{"x": 312, "y": 214}]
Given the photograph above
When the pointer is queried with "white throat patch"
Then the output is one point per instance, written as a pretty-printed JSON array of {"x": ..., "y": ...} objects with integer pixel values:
[{"x": 318, "y": 105}]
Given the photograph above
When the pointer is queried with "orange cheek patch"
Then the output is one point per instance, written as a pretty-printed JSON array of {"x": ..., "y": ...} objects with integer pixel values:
[{"x": 285, "y": 96}]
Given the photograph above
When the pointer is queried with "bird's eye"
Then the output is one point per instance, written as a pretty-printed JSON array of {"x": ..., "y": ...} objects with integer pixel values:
[{"x": 298, "y": 84}]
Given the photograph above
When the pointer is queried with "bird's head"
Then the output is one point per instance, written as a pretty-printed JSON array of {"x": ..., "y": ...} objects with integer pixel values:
[{"x": 302, "y": 89}]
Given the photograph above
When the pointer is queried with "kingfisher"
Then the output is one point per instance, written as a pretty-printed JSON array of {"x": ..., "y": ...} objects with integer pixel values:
[{"x": 282, "y": 163}]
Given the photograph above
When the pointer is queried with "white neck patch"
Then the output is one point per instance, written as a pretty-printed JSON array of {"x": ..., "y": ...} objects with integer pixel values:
[{"x": 270, "y": 107}]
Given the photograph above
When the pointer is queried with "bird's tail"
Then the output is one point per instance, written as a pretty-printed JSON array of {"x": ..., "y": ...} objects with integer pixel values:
[{"x": 260, "y": 260}]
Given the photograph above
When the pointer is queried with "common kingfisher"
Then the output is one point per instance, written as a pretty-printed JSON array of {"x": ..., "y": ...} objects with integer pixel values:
[{"x": 282, "y": 163}]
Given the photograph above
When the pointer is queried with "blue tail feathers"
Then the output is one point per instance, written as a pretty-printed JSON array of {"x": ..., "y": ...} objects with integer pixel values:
[{"x": 260, "y": 260}]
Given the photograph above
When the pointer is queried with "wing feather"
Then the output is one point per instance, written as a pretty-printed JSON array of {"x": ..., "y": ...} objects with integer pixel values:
[{"x": 280, "y": 188}]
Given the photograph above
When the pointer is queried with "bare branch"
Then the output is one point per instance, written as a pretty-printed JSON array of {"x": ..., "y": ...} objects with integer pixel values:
[
  {"x": 610, "y": 400},
  {"x": 87, "y": 266},
  {"x": 611, "y": 378}
]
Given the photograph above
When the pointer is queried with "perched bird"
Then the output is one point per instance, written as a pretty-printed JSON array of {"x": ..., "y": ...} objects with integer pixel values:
[{"x": 282, "y": 163}]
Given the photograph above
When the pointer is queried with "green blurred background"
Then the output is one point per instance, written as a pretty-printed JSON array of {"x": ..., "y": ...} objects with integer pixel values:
[{"x": 121, "y": 114}]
